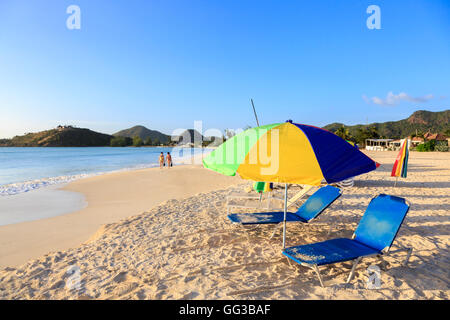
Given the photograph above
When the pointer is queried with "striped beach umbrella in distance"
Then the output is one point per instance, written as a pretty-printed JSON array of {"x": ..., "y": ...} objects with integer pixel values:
[
  {"x": 400, "y": 168},
  {"x": 289, "y": 153}
]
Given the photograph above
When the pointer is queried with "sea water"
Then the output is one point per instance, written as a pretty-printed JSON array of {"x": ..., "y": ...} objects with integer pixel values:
[
  {"x": 30, "y": 177},
  {"x": 26, "y": 169}
]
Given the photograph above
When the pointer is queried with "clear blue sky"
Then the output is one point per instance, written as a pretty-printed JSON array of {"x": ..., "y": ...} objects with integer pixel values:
[{"x": 166, "y": 63}]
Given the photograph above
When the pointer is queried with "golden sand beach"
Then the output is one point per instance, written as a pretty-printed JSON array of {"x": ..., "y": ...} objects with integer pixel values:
[{"x": 164, "y": 234}]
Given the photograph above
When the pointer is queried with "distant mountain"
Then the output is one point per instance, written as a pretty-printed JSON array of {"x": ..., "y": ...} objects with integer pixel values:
[
  {"x": 144, "y": 133},
  {"x": 62, "y": 136},
  {"x": 189, "y": 136},
  {"x": 422, "y": 121}
]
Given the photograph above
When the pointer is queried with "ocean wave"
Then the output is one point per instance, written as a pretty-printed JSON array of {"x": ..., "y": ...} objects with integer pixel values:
[
  {"x": 20, "y": 187},
  {"x": 26, "y": 186}
]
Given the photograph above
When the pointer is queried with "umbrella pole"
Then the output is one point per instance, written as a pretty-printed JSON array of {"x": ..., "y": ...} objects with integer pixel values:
[{"x": 285, "y": 212}]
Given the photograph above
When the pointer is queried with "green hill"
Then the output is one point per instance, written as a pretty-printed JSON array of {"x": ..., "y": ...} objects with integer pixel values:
[
  {"x": 66, "y": 136},
  {"x": 189, "y": 136},
  {"x": 143, "y": 133},
  {"x": 422, "y": 121}
]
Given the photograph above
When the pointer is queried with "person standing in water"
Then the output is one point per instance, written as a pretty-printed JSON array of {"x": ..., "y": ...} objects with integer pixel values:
[
  {"x": 161, "y": 160},
  {"x": 169, "y": 160}
]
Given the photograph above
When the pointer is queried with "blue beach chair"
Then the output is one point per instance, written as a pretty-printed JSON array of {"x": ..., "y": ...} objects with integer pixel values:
[
  {"x": 309, "y": 210},
  {"x": 374, "y": 235}
]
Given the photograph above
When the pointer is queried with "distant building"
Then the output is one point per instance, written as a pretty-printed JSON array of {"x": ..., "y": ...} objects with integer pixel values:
[
  {"x": 60, "y": 127},
  {"x": 435, "y": 136},
  {"x": 415, "y": 141},
  {"x": 441, "y": 142},
  {"x": 395, "y": 145},
  {"x": 378, "y": 144}
]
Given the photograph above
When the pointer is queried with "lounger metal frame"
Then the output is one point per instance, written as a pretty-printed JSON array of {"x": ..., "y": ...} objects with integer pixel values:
[
  {"x": 386, "y": 251},
  {"x": 270, "y": 198},
  {"x": 296, "y": 201},
  {"x": 248, "y": 197},
  {"x": 355, "y": 263},
  {"x": 316, "y": 220}
]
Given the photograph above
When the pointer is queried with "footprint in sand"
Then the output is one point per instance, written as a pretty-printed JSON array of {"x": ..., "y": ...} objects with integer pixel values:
[
  {"x": 398, "y": 283},
  {"x": 190, "y": 296},
  {"x": 120, "y": 277},
  {"x": 124, "y": 288},
  {"x": 189, "y": 278}
]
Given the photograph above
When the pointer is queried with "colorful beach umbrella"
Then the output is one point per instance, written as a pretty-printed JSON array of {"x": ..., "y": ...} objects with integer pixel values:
[
  {"x": 400, "y": 168},
  {"x": 289, "y": 153}
]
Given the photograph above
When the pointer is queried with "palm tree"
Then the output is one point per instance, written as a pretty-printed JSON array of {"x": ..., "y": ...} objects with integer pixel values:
[
  {"x": 374, "y": 132},
  {"x": 343, "y": 133}
]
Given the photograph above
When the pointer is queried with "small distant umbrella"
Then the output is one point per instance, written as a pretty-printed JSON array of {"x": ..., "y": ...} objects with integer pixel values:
[
  {"x": 400, "y": 168},
  {"x": 289, "y": 153}
]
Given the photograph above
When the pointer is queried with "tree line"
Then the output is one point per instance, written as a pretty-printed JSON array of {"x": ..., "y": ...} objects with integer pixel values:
[
  {"x": 371, "y": 132},
  {"x": 136, "y": 141}
]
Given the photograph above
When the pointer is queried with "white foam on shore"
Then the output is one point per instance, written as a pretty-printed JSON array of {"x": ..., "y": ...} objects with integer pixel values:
[
  {"x": 26, "y": 186},
  {"x": 18, "y": 204},
  {"x": 21, "y": 187}
]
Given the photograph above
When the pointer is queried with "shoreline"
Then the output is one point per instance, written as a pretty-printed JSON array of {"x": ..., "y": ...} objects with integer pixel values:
[
  {"x": 110, "y": 197},
  {"x": 46, "y": 198},
  {"x": 21, "y": 187}
]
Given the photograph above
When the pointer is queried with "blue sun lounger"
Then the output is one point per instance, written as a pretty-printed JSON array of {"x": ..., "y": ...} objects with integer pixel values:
[
  {"x": 310, "y": 209},
  {"x": 373, "y": 236}
]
